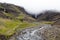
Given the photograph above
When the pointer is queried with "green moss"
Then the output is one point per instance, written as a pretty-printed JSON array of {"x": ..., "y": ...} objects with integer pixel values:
[
  {"x": 47, "y": 22},
  {"x": 8, "y": 27},
  {"x": 15, "y": 8},
  {"x": 8, "y": 14},
  {"x": 1, "y": 6},
  {"x": 21, "y": 16}
]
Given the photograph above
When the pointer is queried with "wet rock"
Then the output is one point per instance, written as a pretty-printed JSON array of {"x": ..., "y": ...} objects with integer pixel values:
[
  {"x": 46, "y": 32},
  {"x": 3, "y": 37}
]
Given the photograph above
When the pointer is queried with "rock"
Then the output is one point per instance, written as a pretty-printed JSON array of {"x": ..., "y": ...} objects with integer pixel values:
[
  {"x": 3, "y": 37},
  {"x": 48, "y": 16},
  {"x": 46, "y": 32}
]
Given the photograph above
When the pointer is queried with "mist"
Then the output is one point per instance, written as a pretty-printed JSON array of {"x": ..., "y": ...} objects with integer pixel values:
[{"x": 36, "y": 6}]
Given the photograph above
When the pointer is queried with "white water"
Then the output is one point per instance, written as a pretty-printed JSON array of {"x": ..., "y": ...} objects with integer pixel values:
[{"x": 32, "y": 34}]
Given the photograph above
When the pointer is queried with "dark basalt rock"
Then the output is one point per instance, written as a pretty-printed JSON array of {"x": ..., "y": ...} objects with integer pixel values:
[{"x": 2, "y": 37}]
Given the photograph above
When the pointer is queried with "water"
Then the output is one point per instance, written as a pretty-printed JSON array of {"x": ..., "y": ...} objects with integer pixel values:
[{"x": 32, "y": 34}]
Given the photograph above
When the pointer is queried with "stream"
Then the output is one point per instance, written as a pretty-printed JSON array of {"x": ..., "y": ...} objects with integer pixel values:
[{"x": 35, "y": 33}]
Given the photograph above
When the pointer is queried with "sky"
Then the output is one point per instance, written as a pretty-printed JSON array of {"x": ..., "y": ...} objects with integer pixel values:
[{"x": 36, "y": 6}]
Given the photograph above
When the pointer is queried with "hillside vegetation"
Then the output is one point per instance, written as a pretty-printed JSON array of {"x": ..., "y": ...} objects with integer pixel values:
[{"x": 13, "y": 18}]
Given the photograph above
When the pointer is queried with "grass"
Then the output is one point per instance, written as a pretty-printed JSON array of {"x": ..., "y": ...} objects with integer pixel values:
[
  {"x": 26, "y": 25},
  {"x": 8, "y": 27},
  {"x": 8, "y": 14},
  {"x": 1, "y": 6},
  {"x": 16, "y": 9},
  {"x": 21, "y": 16},
  {"x": 47, "y": 22}
]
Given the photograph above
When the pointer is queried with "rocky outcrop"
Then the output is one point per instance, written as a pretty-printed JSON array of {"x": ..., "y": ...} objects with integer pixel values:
[{"x": 49, "y": 16}]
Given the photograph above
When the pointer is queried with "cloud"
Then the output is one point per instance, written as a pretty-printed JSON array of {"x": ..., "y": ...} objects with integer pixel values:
[{"x": 36, "y": 6}]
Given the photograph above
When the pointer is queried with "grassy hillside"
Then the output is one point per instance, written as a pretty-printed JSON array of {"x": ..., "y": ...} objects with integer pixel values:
[{"x": 13, "y": 18}]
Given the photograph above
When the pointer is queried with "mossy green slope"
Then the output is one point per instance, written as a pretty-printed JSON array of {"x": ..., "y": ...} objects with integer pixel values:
[{"x": 12, "y": 18}]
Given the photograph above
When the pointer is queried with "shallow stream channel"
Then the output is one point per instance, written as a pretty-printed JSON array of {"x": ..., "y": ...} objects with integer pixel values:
[{"x": 34, "y": 33}]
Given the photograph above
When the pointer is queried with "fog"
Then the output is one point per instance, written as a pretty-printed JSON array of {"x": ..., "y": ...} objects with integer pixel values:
[{"x": 36, "y": 6}]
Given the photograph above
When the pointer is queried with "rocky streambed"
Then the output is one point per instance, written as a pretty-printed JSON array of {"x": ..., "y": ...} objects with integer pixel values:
[{"x": 42, "y": 32}]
